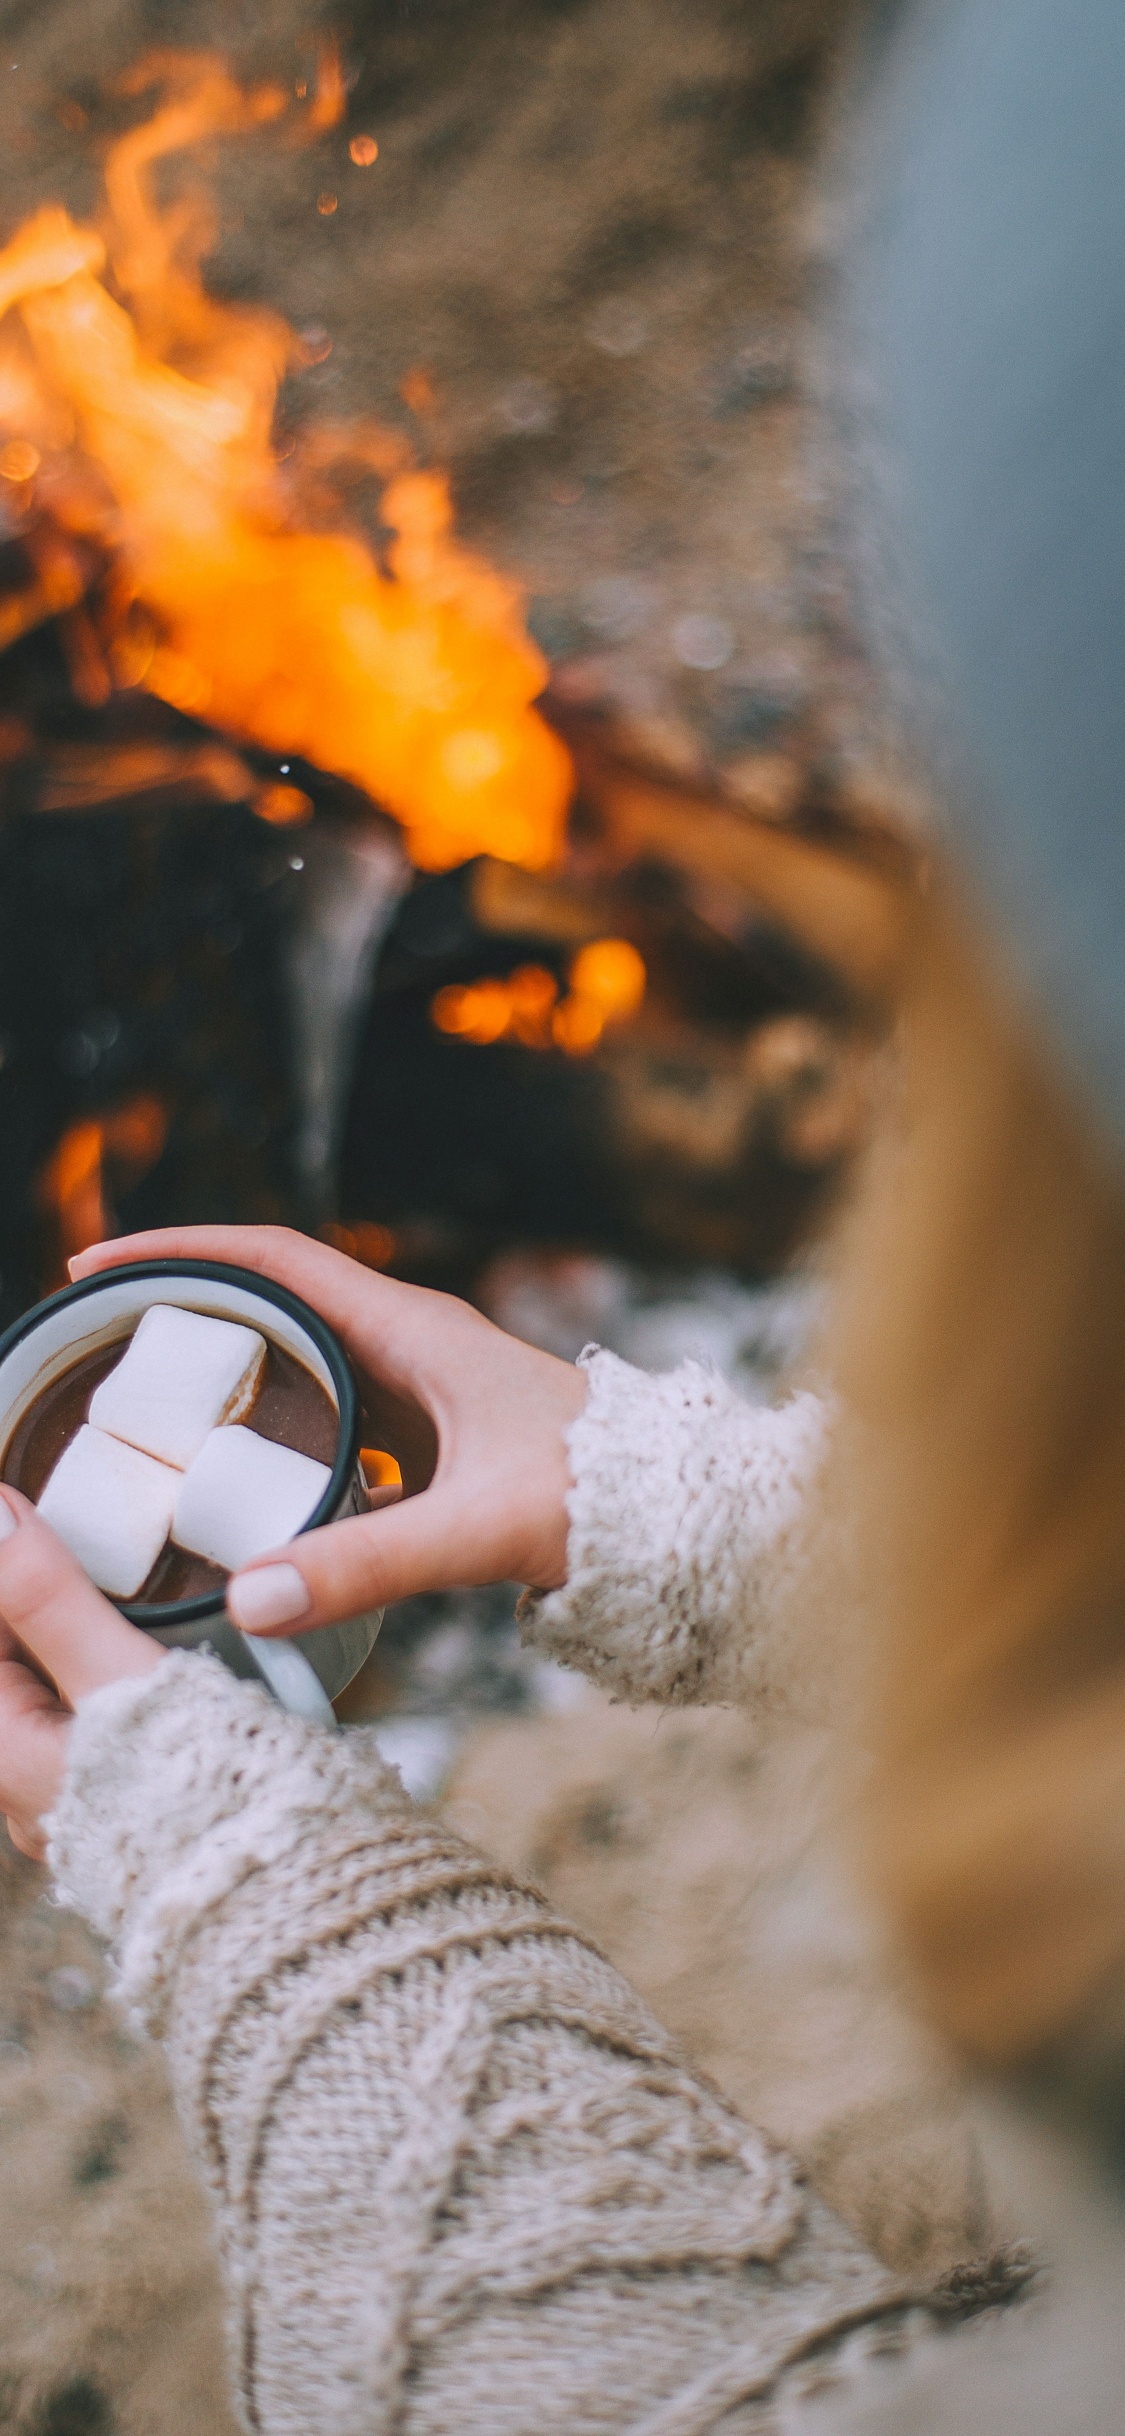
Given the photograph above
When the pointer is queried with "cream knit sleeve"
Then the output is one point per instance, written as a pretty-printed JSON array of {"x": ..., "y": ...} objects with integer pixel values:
[
  {"x": 687, "y": 1532},
  {"x": 461, "y": 2179}
]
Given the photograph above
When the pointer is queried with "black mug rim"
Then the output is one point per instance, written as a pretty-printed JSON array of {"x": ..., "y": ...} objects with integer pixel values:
[{"x": 148, "y": 1614}]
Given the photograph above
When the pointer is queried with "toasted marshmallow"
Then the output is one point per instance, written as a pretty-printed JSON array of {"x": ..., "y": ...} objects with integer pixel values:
[
  {"x": 242, "y": 1495},
  {"x": 112, "y": 1506},
  {"x": 179, "y": 1378}
]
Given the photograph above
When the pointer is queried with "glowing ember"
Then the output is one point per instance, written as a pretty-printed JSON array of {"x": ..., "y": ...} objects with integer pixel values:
[
  {"x": 135, "y": 423},
  {"x": 479, "y": 1011},
  {"x": 286, "y": 807},
  {"x": 609, "y": 975},
  {"x": 330, "y": 97},
  {"x": 607, "y": 984},
  {"x": 380, "y": 1470},
  {"x": 364, "y": 150}
]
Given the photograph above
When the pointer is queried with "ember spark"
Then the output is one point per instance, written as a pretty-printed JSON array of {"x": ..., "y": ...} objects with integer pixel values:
[{"x": 607, "y": 983}]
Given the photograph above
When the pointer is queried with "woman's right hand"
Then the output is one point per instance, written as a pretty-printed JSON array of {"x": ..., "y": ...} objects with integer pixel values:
[{"x": 476, "y": 1419}]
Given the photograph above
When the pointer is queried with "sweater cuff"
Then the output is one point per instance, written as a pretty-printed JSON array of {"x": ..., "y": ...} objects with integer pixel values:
[
  {"x": 687, "y": 1523},
  {"x": 179, "y": 1785}
]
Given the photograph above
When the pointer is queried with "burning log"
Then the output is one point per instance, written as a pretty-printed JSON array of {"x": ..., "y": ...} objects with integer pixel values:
[
  {"x": 712, "y": 1121},
  {"x": 145, "y": 1027},
  {"x": 841, "y": 887}
]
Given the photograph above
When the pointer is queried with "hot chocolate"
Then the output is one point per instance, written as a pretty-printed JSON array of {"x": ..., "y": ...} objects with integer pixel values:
[{"x": 289, "y": 1408}]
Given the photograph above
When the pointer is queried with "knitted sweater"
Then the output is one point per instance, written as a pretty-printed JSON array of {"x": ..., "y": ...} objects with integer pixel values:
[
  {"x": 461, "y": 2179},
  {"x": 687, "y": 1541}
]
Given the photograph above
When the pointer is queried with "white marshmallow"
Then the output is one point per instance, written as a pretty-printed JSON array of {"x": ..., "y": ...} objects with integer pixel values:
[
  {"x": 112, "y": 1506},
  {"x": 242, "y": 1495},
  {"x": 181, "y": 1375}
]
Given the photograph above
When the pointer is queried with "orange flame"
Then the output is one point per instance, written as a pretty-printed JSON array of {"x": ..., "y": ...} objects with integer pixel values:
[
  {"x": 72, "y": 1184},
  {"x": 607, "y": 984},
  {"x": 71, "y": 1187},
  {"x": 135, "y": 419}
]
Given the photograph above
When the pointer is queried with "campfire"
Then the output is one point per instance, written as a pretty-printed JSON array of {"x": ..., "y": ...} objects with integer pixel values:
[
  {"x": 251, "y": 680},
  {"x": 195, "y": 570}
]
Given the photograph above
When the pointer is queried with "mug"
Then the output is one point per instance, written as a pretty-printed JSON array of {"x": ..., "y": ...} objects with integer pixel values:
[{"x": 305, "y": 1674}]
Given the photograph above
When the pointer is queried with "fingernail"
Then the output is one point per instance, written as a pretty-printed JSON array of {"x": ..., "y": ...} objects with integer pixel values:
[
  {"x": 274, "y": 1594},
  {"x": 78, "y": 1259},
  {"x": 8, "y": 1522}
]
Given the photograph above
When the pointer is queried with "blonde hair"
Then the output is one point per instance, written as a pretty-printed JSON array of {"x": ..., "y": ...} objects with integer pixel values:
[{"x": 981, "y": 1343}]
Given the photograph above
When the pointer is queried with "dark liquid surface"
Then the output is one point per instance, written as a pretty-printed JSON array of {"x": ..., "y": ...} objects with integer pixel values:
[{"x": 291, "y": 1408}]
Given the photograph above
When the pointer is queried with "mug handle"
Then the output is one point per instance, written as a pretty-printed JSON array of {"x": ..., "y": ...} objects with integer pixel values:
[{"x": 288, "y": 1675}]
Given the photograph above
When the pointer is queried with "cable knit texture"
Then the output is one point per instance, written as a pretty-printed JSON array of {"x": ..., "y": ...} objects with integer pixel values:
[
  {"x": 688, "y": 1538},
  {"x": 462, "y": 2182}
]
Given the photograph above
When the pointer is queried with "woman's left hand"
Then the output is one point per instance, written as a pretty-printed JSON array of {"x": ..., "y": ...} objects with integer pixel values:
[{"x": 59, "y": 1639}]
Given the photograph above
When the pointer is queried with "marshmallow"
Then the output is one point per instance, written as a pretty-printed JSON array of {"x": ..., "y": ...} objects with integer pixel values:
[
  {"x": 181, "y": 1375},
  {"x": 242, "y": 1495},
  {"x": 112, "y": 1506}
]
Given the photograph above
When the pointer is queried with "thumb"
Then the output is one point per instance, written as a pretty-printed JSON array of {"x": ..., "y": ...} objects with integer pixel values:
[
  {"x": 74, "y": 1635},
  {"x": 430, "y": 1542}
]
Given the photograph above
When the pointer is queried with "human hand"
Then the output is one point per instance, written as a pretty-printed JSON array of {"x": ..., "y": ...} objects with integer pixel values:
[
  {"x": 58, "y": 1640},
  {"x": 475, "y": 1418}
]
